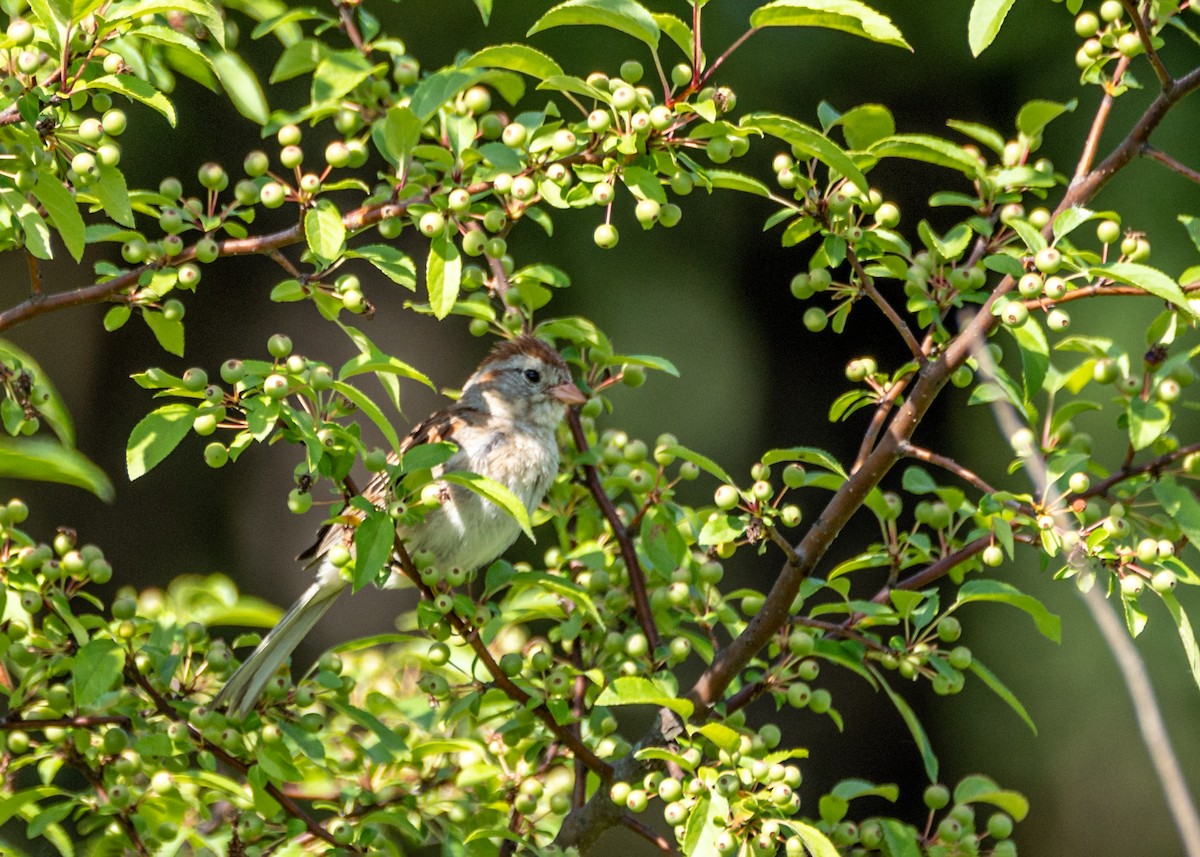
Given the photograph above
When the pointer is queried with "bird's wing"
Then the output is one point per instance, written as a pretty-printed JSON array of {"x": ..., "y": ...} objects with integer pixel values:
[{"x": 436, "y": 428}]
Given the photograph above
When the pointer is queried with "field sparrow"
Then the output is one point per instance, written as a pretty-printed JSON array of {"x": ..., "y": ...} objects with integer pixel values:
[{"x": 503, "y": 426}]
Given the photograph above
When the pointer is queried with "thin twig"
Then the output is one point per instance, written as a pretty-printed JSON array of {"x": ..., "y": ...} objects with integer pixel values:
[
  {"x": 1091, "y": 144},
  {"x": 1139, "y": 24},
  {"x": 878, "y": 419},
  {"x": 653, "y": 837},
  {"x": 637, "y": 577},
  {"x": 1149, "y": 720},
  {"x": 889, "y": 312},
  {"x": 346, "y": 14},
  {"x": 1177, "y": 166},
  {"x": 947, "y": 464},
  {"x": 471, "y": 636},
  {"x": 741, "y": 40}
]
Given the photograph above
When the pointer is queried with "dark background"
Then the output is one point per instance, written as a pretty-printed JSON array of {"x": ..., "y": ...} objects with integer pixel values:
[{"x": 711, "y": 296}]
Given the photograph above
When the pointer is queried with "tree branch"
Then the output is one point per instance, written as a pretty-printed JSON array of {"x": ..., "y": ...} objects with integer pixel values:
[{"x": 637, "y": 577}]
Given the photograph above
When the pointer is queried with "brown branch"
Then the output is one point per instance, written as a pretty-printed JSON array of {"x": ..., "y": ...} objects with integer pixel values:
[
  {"x": 1085, "y": 187},
  {"x": 470, "y": 635},
  {"x": 637, "y": 577},
  {"x": 878, "y": 419},
  {"x": 353, "y": 221},
  {"x": 346, "y": 15},
  {"x": 1091, "y": 144},
  {"x": 948, "y": 464},
  {"x": 1153, "y": 466},
  {"x": 1139, "y": 25},
  {"x": 1172, "y": 164},
  {"x": 653, "y": 837},
  {"x": 889, "y": 312}
]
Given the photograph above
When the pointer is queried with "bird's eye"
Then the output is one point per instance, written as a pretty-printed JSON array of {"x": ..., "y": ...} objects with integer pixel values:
[{"x": 533, "y": 376}]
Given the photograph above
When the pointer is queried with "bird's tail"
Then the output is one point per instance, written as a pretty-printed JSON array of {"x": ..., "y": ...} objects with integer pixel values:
[{"x": 244, "y": 686}]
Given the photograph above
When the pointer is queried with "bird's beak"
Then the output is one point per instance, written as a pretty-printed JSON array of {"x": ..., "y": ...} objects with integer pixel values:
[{"x": 567, "y": 393}]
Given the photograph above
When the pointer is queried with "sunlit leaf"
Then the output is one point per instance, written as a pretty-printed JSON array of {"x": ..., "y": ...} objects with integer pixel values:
[
  {"x": 849, "y": 16},
  {"x": 627, "y": 16}
]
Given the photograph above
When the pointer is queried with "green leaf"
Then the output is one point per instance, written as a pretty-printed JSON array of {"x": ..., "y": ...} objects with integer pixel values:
[
  {"x": 703, "y": 462},
  {"x": 729, "y": 180},
  {"x": 925, "y": 147},
  {"x": 158, "y": 433},
  {"x": 1186, "y": 635},
  {"x": 443, "y": 275},
  {"x": 203, "y": 10},
  {"x": 809, "y": 141},
  {"x": 368, "y": 407},
  {"x": 37, "y": 232},
  {"x": 168, "y": 332},
  {"x": 401, "y": 133},
  {"x": 976, "y": 788},
  {"x": 1034, "y": 116},
  {"x": 324, "y": 231},
  {"x": 338, "y": 72},
  {"x": 1181, "y": 504},
  {"x": 807, "y": 454},
  {"x": 993, "y": 590},
  {"x": 63, "y": 212},
  {"x": 677, "y": 31},
  {"x": 12, "y": 804},
  {"x": 112, "y": 194},
  {"x": 566, "y": 590},
  {"x": 391, "y": 262},
  {"x": 485, "y": 10},
  {"x": 815, "y": 842},
  {"x": 241, "y": 84},
  {"x": 1144, "y": 277},
  {"x": 928, "y": 759},
  {"x": 373, "y": 540},
  {"x": 900, "y": 839},
  {"x": 438, "y": 88},
  {"x": 96, "y": 670},
  {"x": 987, "y": 16},
  {"x": 865, "y": 124},
  {"x": 1001, "y": 690},
  {"x": 1072, "y": 219},
  {"x": 515, "y": 57},
  {"x": 136, "y": 89},
  {"x": 1148, "y": 421},
  {"x": 849, "y": 16},
  {"x": 45, "y": 460},
  {"x": 636, "y": 690},
  {"x": 1035, "y": 355},
  {"x": 388, "y": 738},
  {"x": 490, "y": 489},
  {"x": 627, "y": 16}
]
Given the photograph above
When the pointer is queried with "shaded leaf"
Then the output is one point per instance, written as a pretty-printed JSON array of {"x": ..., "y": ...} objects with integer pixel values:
[
  {"x": 373, "y": 540},
  {"x": 993, "y": 590},
  {"x": 63, "y": 212},
  {"x": 96, "y": 670},
  {"x": 45, "y": 460}
]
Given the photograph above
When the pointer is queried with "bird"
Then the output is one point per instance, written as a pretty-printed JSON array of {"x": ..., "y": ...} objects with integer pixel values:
[{"x": 503, "y": 427}]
